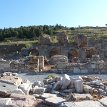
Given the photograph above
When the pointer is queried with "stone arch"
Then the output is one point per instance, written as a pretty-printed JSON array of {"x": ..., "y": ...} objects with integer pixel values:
[
  {"x": 54, "y": 51},
  {"x": 34, "y": 52},
  {"x": 90, "y": 52},
  {"x": 73, "y": 53}
]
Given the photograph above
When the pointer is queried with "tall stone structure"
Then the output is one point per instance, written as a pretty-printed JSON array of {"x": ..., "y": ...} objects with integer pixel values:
[
  {"x": 62, "y": 38},
  {"x": 81, "y": 40},
  {"x": 45, "y": 40}
]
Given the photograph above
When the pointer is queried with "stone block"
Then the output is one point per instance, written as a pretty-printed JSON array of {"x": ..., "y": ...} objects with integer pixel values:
[
  {"x": 18, "y": 91},
  {"x": 38, "y": 90},
  {"x": 78, "y": 86},
  {"x": 103, "y": 101},
  {"x": 5, "y": 102},
  {"x": 38, "y": 83},
  {"x": 80, "y": 97},
  {"x": 54, "y": 101},
  {"x": 65, "y": 81},
  {"x": 87, "y": 88},
  {"x": 25, "y": 87},
  {"x": 89, "y": 103}
]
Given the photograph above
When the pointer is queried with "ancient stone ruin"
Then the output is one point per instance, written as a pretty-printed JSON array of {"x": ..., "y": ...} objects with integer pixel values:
[
  {"x": 53, "y": 91},
  {"x": 45, "y": 40},
  {"x": 81, "y": 40},
  {"x": 60, "y": 57},
  {"x": 62, "y": 38}
]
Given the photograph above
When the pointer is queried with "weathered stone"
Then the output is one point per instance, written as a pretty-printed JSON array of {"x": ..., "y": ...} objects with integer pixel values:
[
  {"x": 81, "y": 40},
  {"x": 82, "y": 104},
  {"x": 95, "y": 57},
  {"x": 85, "y": 71},
  {"x": 4, "y": 94},
  {"x": 69, "y": 90},
  {"x": 54, "y": 51},
  {"x": 103, "y": 101},
  {"x": 54, "y": 92},
  {"x": 86, "y": 78},
  {"x": 71, "y": 85},
  {"x": 76, "y": 70},
  {"x": 54, "y": 101},
  {"x": 10, "y": 79},
  {"x": 4, "y": 65},
  {"x": 65, "y": 81},
  {"x": 38, "y": 83},
  {"x": 90, "y": 52},
  {"x": 87, "y": 88},
  {"x": 38, "y": 90},
  {"x": 102, "y": 92},
  {"x": 5, "y": 102},
  {"x": 48, "y": 95},
  {"x": 73, "y": 53},
  {"x": 79, "y": 86},
  {"x": 70, "y": 97},
  {"x": 49, "y": 88},
  {"x": 62, "y": 94},
  {"x": 18, "y": 91},
  {"x": 15, "y": 74},
  {"x": 79, "y": 97},
  {"x": 25, "y": 87},
  {"x": 62, "y": 38},
  {"x": 37, "y": 96},
  {"x": 6, "y": 89},
  {"x": 36, "y": 63},
  {"x": 61, "y": 65},
  {"x": 45, "y": 40},
  {"x": 19, "y": 100},
  {"x": 48, "y": 80},
  {"x": 58, "y": 59},
  {"x": 34, "y": 51},
  {"x": 57, "y": 85},
  {"x": 96, "y": 82}
]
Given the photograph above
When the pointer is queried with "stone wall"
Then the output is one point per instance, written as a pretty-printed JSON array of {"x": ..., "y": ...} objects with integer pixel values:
[
  {"x": 67, "y": 49},
  {"x": 89, "y": 48}
]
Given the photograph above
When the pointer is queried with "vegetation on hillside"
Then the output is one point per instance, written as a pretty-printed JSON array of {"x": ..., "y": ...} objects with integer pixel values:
[{"x": 31, "y": 33}]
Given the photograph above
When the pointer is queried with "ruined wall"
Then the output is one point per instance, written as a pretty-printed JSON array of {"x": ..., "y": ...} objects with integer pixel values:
[
  {"x": 70, "y": 51},
  {"x": 7, "y": 49},
  {"x": 100, "y": 47}
]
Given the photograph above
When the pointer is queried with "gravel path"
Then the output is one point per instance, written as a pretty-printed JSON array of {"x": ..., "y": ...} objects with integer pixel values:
[{"x": 40, "y": 77}]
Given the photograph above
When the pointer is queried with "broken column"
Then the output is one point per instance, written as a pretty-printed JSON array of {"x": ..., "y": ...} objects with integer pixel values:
[
  {"x": 41, "y": 62},
  {"x": 78, "y": 86}
]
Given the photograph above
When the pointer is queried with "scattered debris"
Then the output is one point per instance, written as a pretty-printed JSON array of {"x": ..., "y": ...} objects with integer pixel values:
[{"x": 60, "y": 90}]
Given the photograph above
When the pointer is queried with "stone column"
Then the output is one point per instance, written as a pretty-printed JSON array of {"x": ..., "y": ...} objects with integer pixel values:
[
  {"x": 41, "y": 62},
  {"x": 38, "y": 65}
]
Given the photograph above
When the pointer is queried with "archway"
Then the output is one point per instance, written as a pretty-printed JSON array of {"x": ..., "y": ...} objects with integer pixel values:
[
  {"x": 90, "y": 52},
  {"x": 54, "y": 51},
  {"x": 73, "y": 53},
  {"x": 34, "y": 52}
]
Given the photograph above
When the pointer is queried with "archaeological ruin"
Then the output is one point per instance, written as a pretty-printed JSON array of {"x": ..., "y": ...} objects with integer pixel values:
[
  {"x": 83, "y": 56},
  {"x": 55, "y": 74}
]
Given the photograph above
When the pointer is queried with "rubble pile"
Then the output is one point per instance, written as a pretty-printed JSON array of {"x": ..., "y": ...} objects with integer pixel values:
[
  {"x": 15, "y": 92},
  {"x": 11, "y": 78},
  {"x": 54, "y": 91},
  {"x": 77, "y": 89}
]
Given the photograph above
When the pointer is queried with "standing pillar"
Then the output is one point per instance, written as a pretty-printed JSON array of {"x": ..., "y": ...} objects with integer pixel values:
[{"x": 38, "y": 65}]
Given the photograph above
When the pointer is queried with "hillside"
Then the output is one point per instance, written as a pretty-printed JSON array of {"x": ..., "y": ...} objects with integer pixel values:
[{"x": 32, "y": 33}]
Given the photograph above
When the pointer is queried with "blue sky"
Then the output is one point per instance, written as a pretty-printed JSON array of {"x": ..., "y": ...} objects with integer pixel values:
[{"x": 15, "y": 13}]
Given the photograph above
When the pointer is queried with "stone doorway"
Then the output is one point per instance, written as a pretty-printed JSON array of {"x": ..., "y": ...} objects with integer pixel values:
[
  {"x": 54, "y": 51},
  {"x": 72, "y": 54}
]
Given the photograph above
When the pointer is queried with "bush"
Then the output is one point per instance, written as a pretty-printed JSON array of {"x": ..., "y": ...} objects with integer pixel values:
[{"x": 51, "y": 76}]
